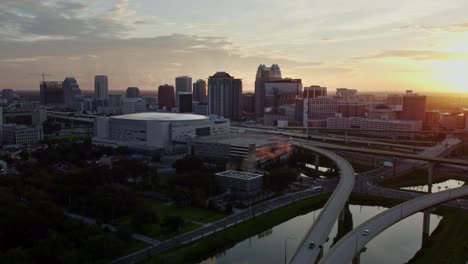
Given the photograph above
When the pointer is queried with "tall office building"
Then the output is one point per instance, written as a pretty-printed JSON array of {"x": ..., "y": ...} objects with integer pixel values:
[
  {"x": 322, "y": 107},
  {"x": 182, "y": 84},
  {"x": 414, "y": 107},
  {"x": 224, "y": 95},
  {"x": 185, "y": 102},
  {"x": 133, "y": 92},
  {"x": 264, "y": 75},
  {"x": 248, "y": 103},
  {"x": 71, "y": 91},
  {"x": 166, "y": 98},
  {"x": 314, "y": 91},
  {"x": 199, "y": 91},
  {"x": 100, "y": 86},
  {"x": 52, "y": 93}
]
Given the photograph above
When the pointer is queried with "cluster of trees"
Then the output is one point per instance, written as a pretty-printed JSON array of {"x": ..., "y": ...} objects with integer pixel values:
[
  {"x": 33, "y": 229},
  {"x": 193, "y": 182}
]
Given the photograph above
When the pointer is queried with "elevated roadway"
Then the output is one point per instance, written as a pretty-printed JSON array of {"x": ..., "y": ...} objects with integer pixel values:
[
  {"x": 388, "y": 153},
  {"x": 328, "y": 138},
  {"x": 355, "y": 240},
  {"x": 321, "y": 228}
]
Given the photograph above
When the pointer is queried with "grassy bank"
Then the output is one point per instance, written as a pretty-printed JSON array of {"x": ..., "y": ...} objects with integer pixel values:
[
  {"x": 449, "y": 241},
  {"x": 223, "y": 240},
  {"x": 447, "y": 244}
]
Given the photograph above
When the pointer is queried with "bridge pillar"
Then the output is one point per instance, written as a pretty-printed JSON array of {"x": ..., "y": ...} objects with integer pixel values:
[
  {"x": 430, "y": 174},
  {"x": 426, "y": 225},
  {"x": 357, "y": 259},
  {"x": 317, "y": 162}
]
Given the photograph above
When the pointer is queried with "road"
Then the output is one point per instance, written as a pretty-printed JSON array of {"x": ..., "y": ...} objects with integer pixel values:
[
  {"x": 320, "y": 229},
  {"x": 390, "y": 154},
  {"x": 231, "y": 220},
  {"x": 354, "y": 241},
  {"x": 328, "y": 138}
]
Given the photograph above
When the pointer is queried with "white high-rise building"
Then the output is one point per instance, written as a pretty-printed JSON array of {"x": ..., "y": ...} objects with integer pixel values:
[
  {"x": 100, "y": 86},
  {"x": 182, "y": 84}
]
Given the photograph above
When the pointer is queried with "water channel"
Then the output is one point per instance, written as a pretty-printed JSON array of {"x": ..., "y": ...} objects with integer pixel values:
[{"x": 397, "y": 244}]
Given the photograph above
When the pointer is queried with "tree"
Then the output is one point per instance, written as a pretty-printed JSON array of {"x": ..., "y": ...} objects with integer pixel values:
[
  {"x": 172, "y": 224},
  {"x": 143, "y": 215},
  {"x": 188, "y": 164}
]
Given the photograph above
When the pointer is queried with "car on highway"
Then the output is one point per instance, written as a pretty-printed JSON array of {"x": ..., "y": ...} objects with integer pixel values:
[
  {"x": 365, "y": 232},
  {"x": 317, "y": 188},
  {"x": 312, "y": 245}
]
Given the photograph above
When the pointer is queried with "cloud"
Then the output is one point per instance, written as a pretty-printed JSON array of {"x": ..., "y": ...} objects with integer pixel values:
[
  {"x": 455, "y": 28},
  {"x": 39, "y": 19},
  {"x": 142, "y": 62},
  {"x": 417, "y": 55}
]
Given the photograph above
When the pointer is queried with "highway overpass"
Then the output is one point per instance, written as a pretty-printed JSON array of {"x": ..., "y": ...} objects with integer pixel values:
[
  {"x": 354, "y": 241},
  {"x": 387, "y": 153},
  {"x": 327, "y": 138},
  {"x": 320, "y": 229}
]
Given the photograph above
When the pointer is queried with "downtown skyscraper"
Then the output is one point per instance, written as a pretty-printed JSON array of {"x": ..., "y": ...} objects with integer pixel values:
[
  {"x": 182, "y": 84},
  {"x": 264, "y": 74},
  {"x": 225, "y": 95},
  {"x": 100, "y": 87}
]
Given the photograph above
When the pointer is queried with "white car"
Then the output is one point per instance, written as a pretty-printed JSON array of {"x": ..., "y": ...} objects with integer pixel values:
[{"x": 365, "y": 232}]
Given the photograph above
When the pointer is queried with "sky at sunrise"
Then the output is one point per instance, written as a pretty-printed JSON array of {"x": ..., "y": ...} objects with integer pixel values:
[{"x": 364, "y": 44}]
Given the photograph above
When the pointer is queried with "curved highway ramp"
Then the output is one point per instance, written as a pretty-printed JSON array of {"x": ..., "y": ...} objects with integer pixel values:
[
  {"x": 320, "y": 229},
  {"x": 354, "y": 241}
]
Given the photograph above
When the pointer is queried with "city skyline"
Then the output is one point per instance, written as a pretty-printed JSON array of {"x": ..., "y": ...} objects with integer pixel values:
[{"x": 149, "y": 43}]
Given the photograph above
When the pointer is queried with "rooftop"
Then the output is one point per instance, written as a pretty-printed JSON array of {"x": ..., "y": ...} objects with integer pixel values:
[
  {"x": 155, "y": 116},
  {"x": 242, "y": 139},
  {"x": 239, "y": 175}
]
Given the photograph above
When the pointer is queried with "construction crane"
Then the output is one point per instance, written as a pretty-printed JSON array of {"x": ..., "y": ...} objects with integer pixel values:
[{"x": 41, "y": 74}]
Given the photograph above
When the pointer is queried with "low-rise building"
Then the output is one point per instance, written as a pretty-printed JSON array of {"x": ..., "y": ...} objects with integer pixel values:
[
  {"x": 244, "y": 151},
  {"x": 375, "y": 124},
  {"x": 240, "y": 184},
  {"x": 21, "y": 134}
]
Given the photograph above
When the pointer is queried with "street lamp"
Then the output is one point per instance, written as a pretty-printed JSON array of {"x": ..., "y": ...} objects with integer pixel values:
[{"x": 286, "y": 248}]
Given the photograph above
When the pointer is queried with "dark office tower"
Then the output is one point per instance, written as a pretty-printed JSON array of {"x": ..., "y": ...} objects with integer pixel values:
[
  {"x": 71, "y": 81},
  {"x": 7, "y": 94},
  {"x": 133, "y": 92},
  {"x": 264, "y": 74},
  {"x": 414, "y": 107},
  {"x": 185, "y": 102},
  {"x": 248, "y": 103},
  {"x": 71, "y": 90},
  {"x": 199, "y": 91},
  {"x": 183, "y": 84},
  {"x": 166, "y": 98},
  {"x": 224, "y": 95},
  {"x": 52, "y": 93},
  {"x": 100, "y": 86},
  {"x": 314, "y": 91}
]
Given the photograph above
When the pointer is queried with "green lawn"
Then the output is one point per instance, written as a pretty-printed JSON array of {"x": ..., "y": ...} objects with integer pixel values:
[
  {"x": 220, "y": 241},
  {"x": 188, "y": 213}
]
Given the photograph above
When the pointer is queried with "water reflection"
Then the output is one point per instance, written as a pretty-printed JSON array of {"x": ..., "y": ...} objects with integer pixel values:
[
  {"x": 397, "y": 244},
  {"x": 436, "y": 187}
]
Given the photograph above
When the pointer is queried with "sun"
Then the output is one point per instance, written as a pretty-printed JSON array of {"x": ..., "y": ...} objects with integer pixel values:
[{"x": 451, "y": 75}]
